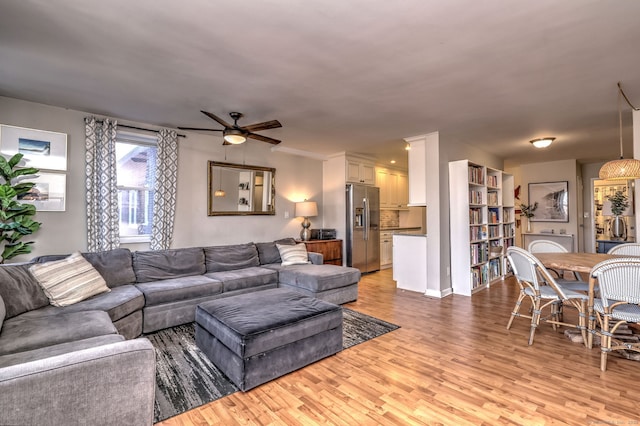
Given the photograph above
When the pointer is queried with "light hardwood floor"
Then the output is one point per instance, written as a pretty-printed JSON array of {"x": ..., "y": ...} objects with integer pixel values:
[{"x": 452, "y": 363}]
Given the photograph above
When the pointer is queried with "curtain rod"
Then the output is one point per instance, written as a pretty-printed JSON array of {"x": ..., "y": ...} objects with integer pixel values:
[{"x": 142, "y": 128}]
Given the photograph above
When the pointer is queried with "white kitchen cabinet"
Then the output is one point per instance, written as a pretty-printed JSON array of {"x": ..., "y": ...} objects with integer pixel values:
[
  {"x": 394, "y": 188},
  {"x": 386, "y": 250},
  {"x": 361, "y": 171}
]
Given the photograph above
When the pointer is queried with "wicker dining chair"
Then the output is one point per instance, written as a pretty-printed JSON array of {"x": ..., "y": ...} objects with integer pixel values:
[
  {"x": 537, "y": 284},
  {"x": 626, "y": 249},
  {"x": 618, "y": 303},
  {"x": 548, "y": 246}
]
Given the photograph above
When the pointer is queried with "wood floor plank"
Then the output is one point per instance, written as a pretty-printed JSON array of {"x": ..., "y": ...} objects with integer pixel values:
[{"x": 452, "y": 362}]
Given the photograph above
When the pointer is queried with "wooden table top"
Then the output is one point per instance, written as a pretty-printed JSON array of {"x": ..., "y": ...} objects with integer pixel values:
[{"x": 577, "y": 262}]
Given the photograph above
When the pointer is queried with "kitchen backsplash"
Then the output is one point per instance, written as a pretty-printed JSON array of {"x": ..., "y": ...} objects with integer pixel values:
[{"x": 389, "y": 219}]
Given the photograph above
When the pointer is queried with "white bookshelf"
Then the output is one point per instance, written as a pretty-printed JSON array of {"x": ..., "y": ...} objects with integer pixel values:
[{"x": 482, "y": 225}]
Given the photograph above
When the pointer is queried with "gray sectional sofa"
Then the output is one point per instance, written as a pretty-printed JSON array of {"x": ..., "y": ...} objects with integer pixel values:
[{"x": 52, "y": 358}]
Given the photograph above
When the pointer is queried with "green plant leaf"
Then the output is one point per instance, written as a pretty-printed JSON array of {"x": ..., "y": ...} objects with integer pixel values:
[
  {"x": 13, "y": 161},
  {"x": 13, "y": 250},
  {"x": 5, "y": 169},
  {"x": 23, "y": 187},
  {"x": 25, "y": 172}
]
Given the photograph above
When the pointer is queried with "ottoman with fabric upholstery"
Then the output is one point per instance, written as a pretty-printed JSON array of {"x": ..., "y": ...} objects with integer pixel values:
[
  {"x": 256, "y": 337},
  {"x": 332, "y": 283}
]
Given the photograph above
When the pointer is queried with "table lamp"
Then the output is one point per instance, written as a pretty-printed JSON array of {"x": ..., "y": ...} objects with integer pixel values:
[{"x": 306, "y": 209}]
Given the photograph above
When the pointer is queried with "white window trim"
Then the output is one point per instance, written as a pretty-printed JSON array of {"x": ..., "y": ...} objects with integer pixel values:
[{"x": 138, "y": 139}]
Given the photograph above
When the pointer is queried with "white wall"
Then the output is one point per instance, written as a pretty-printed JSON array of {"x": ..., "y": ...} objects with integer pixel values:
[{"x": 297, "y": 178}]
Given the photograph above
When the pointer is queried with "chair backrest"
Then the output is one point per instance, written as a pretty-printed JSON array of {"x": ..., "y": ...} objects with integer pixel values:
[
  {"x": 618, "y": 279},
  {"x": 627, "y": 249},
  {"x": 526, "y": 268},
  {"x": 546, "y": 246}
]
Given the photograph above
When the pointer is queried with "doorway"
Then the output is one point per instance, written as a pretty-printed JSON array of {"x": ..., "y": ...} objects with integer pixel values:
[{"x": 607, "y": 230}]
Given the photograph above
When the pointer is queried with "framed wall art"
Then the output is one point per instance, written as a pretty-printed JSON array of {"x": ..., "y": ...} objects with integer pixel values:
[
  {"x": 49, "y": 193},
  {"x": 552, "y": 199},
  {"x": 41, "y": 149}
]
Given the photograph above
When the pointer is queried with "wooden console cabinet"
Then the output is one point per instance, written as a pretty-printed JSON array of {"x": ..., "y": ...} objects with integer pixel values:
[{"x": 331, "y": 250}]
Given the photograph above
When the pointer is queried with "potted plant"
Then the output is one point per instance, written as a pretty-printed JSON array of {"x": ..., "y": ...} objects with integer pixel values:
[
  {"x": 527, "y": 210},
  {"x": 15, "y": 217},
  {"x": 619, "y": 203}
]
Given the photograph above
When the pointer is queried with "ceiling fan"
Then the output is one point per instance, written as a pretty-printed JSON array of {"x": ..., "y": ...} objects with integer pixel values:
[{"x": 234, "y": 134}]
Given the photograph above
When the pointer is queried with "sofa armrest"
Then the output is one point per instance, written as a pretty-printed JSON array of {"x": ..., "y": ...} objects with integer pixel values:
[
  {"x": 108, "y": 384},
  {"x": 316, "y": 258}
]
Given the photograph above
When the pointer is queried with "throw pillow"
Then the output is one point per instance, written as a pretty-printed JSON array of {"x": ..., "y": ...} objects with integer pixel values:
[
  {"x": 293, "y": 255},
  {"x": 69, "y": 280}
]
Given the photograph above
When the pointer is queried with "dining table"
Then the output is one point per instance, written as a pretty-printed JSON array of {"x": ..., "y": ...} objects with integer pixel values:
[{"x": 574, "y": 262}]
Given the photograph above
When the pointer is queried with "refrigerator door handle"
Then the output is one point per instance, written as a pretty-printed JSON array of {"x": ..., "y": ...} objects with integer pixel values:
[{"x": 366, "y": 219}]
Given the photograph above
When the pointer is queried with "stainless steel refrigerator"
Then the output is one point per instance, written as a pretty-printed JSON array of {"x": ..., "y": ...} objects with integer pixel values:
[{"x": 363, "y": 227}]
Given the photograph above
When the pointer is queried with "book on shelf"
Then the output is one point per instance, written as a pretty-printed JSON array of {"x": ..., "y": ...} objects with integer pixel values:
[{"x": 476, "y": 175}]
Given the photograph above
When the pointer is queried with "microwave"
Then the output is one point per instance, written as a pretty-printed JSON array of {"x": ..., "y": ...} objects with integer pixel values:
[{"x": 323, "y": 234}]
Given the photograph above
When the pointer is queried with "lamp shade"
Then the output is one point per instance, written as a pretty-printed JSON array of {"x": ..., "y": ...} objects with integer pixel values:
[
  {"x": 306, "y": 209},
  {"x": 622, "y": 169}
]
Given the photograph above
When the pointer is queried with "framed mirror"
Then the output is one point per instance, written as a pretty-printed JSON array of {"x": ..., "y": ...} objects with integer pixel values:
[{"x": 238, "y": 190}]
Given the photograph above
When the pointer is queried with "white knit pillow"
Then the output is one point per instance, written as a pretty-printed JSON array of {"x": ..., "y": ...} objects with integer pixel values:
[
  {"x": 69, "y": 280},
  {"x": 293, "y": 254}
]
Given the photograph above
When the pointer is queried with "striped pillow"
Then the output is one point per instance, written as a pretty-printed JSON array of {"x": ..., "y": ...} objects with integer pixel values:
[
  {"x": 293, "y": 254},
  {"x": 69, "y": 280}
]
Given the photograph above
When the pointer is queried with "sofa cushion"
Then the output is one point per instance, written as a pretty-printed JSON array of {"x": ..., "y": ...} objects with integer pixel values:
[
  {"x": 60, "y": 349},
  {"x": 20, "y": 290},
  {"x": 269, "y": 253},
  {"x": 176, "y": 289},
  {"x": 118, "y": 303},
  {"x": 318, "y": 277},
  {"x": 165, "y": 264},
  {"x": 293, "y": 255},
  {"x": 229, "y": 258},
  {"x": 244, "y": 278},
  {"x": 69, "y": 280},
  {"x": 24, "y": 334},
  {"x": 115, "y": 265}
]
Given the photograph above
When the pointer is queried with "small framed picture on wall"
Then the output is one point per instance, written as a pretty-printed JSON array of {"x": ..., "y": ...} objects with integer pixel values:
[
  {"x": 40, "y": 148},
  {"x": 552, "y": 199}
]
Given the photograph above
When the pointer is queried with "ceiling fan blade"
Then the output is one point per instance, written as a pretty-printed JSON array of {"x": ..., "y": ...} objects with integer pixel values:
[
  {"x": 263, "y": 138},
  {"x": 273, "y": 124},
  {"x": 200, "y": 129},
  {"x": 216, "y": 118}
]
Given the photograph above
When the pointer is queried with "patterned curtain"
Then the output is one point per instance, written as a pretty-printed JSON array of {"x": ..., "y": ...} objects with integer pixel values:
[
  {"x": 165, "y": 190},
  {"x": 103, "y": 231}
]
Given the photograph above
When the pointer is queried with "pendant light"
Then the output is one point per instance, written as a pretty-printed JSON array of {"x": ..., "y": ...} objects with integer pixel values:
[
  {"x": 219, "y": 192},
  {"x": 621, "y": 169}
]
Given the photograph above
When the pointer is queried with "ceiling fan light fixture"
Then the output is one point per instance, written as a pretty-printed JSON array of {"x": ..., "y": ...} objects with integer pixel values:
[
  {"x": 542, "y": 142},
  {"x": 234, "y": 136}
]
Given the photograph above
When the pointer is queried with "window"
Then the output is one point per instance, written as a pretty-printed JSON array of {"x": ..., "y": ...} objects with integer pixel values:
[{"x": 135, "y": 168}]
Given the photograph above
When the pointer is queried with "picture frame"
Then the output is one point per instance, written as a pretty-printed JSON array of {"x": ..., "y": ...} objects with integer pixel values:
[
  {"x": 552, "y": 199},
  {"x": 49, "y": 193},
  {"x": 41, "y": 149}
]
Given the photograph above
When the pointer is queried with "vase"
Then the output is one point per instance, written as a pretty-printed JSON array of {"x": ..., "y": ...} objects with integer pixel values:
[
  {"x": 618, "y": 227},
  {"x": 528, "y": 225}
]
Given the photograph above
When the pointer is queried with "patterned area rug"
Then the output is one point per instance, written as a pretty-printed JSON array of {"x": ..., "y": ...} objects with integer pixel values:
[{"x": 185, "y": 378}]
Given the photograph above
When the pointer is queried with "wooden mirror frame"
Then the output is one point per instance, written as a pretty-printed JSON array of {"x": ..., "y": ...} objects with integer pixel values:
[{"x": 235, "y": 191}]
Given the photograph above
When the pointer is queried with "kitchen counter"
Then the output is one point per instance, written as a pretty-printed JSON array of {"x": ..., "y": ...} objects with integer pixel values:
[
  {"x": 406, "y": 228},
  {"x": 409, "y": 261}
]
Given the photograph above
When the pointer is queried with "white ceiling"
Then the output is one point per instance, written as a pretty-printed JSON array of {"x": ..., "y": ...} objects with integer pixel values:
[{"x": 356, "y": 75}]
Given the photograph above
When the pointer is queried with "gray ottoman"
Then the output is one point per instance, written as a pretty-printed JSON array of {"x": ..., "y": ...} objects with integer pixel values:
[
  {"x": 332, "y": 283},
  {"x": 257, "y": 337}
]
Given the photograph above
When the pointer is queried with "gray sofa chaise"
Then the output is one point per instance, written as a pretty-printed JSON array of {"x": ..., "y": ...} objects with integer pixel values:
[{"x": 149, "y": 290}]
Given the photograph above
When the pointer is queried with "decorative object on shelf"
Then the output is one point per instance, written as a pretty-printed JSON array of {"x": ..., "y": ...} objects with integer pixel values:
[
  {"x": 40, "y": 149},
  {"x": 553, "y": 200},
  {"x": 15, "y": 217},
  {"x": 621, "y": 169},
  {"x": 619, "y": 203},
  {"x": 542, "y": 142},
  {"x": 527, "y": 210},
  {"x": 306, "y": 209}
]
